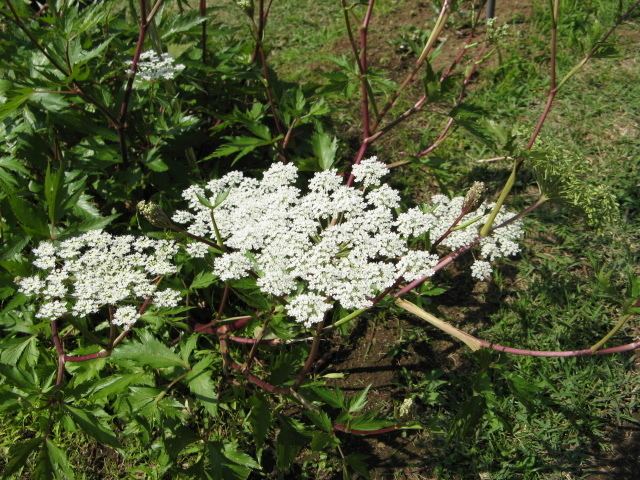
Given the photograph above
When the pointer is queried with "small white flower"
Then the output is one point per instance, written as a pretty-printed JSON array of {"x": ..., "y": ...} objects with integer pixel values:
[
  {"x": 52, "y": 310},
  {"x": 45, "y": 256},
  {"x": 417, "y": 264},
  {"x": 83, "y": 274},
  {"x": 168, "y": 298},
  {"x": 405, "y": 407},
  {"x": 197, "y": 250},
  {"x": 31, "y": 285},
  {"x": 126, "y": 316},
  {"x": 369, "y": 172},
  {"x": 152, "y": 66},
  {"x": 384, "y": 197},
  {"x": 182, "y": 216},
  {"x": 231, "y": 266},
  {"x": 481, "y": 270},
  {"x": 308, "y": 308}
]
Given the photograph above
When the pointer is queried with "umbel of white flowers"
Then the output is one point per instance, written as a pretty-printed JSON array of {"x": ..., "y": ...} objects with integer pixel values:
[
  {"x": 152, "y": 66},
  {"x": 81, "y": 275},
  {"x": 331, "y": 243}
]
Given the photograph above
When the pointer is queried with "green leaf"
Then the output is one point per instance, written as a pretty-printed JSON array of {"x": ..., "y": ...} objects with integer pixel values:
[
  {"x": 230, "y": 450},
  {"x": 260, "y": 419},
  {"x": 358, "y": 463},
  {"x": 157, "y": 165},
  {"x": 203, "y": 280},
  {"x": 181, "y": 23},
  {"x": 201, "y": 384},
  {"x": 90, "y": 424},
  {"x": 30, "y": 219},
  {"x": 320, "y": 419},
  {"x": 15, "y": 102},
  {"x": 324, "y": 148},
  {"x": 56, "y": 462},
  {"x": 288, "y": 443},
  {"x": 18, "y": 455},
  {"x": 248, "y": 291},
  {"x": 334, "y": 398},
  {"x": 241, "y": 146},
  {"x": 117, "y": 383},
  {"x": 358, "y": 402},
  {"x": 369, "y": 422},
  {"x": 52, "y": 190},
  {"x": 220, "y": 468},
  {"x": 12, "y": 350},
  {"x": 149, "y": 352}
]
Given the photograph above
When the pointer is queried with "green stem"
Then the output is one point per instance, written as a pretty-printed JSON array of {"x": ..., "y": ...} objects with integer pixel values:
[
  {"x": 162, "y": 394},
  {"x": 348, "y": 318},
  {"x": 486, "y": 228},
  {"x": 216, "y": 231},
  {"x": 616, "y": 328}
]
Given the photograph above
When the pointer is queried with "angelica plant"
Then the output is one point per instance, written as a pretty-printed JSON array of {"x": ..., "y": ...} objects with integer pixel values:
[{"x": 211, "y": 361}]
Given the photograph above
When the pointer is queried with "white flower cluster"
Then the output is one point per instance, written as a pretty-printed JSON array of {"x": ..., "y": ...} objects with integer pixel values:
[
  {"x": 152, "y": 66},
  {"x": 332, "y": 243},
  {"x": 85, "y": 273}
]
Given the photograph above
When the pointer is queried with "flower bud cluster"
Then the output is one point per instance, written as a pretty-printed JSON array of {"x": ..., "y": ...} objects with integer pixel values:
[
  {"x": 331, "y": 243},
  {"x": 83, "y": 274}
]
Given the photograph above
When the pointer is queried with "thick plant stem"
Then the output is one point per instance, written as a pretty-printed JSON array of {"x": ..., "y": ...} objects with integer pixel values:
[
  {"x": 486, "y": 228},
  {"x": 55, "y": 335},
  {"x": 616, "y": 328},
  {"x": 203, "y": 37},
  {"x": 311, "y": 358},
  {"x": 424, "y": 55},
  {"x": 259, "y": 57},
  {"x": 364, "y": 91},
  {"x": 476, "y": 343},
  {"x": 223, "y": 301},
  {"x": 145, "y": 21}
]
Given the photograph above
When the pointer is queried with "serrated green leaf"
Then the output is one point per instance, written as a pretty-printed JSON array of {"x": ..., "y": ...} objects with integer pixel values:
[
  {"x": 324, "y": 148},
  {"x": 58, "y": 462},
  {"x": 320, "y": 419},
  {"x": 117, "y": 383},
  {"x": 52, "y": 192},
  {"x": 149, "y": 352},
  {"x": 203, "y": 280},
  {"x": 90, "y": 424},
  {"x": 231, "y": 451},
  {"x": 288, "y": 443},
  {"x": 358, "y": 402},
  {"x": 260, "y": 419},
  {"x": 18, "y": 455},
  {"x": 201, "y": 384},
  {"x": 12, "y": 350}
]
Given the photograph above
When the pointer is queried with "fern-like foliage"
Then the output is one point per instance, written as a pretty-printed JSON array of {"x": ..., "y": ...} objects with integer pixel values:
[{"x": 567, "y": 177}]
